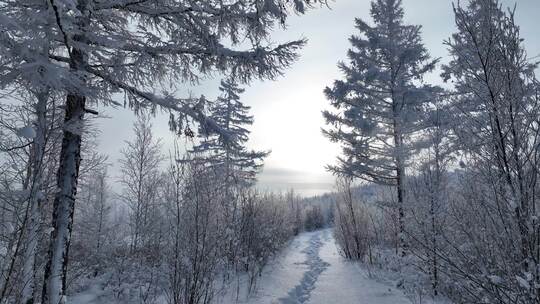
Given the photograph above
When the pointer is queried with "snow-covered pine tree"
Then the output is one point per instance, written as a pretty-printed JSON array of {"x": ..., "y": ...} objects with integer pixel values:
[
  {"x": 378, "y": 105},
  {"x": 228, "y": 156}
]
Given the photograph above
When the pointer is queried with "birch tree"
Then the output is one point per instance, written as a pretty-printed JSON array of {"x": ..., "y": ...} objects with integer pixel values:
[
  {"x": 140, "y": 177},
  {"x": 29, "y": 140},
  {"x": 498, "y": 107}
]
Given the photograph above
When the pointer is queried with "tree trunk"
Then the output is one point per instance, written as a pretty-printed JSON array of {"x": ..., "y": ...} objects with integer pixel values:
[
  {"x": 54, "y": 284},
  {"x": 435, "y": 270},
  {"x": 435, "y": 202},
  {"x": 54, "y": 287},
  {"x": 35, "y": 201},
  {"x": 400, "y": 185},
  {"x": 356, "y": 236}
]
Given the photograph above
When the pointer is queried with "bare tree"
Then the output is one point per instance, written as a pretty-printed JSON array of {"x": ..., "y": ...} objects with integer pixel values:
[{"x": 140, "y": 167}]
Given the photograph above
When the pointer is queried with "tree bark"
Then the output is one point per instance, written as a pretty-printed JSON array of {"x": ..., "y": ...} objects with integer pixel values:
[
  {"x": 54, "y": 285},
  {"x": 54, "y": 288}
]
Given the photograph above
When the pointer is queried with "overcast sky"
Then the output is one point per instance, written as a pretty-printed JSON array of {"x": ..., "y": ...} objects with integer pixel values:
[{"x": 288, "y": 111}]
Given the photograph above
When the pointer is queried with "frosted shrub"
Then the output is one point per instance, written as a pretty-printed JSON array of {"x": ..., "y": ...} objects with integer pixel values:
[{"x": 352, "y": 229}]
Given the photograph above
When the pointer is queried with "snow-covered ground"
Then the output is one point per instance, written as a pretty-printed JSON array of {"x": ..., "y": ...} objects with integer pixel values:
[{"x": 311, "y": 271}]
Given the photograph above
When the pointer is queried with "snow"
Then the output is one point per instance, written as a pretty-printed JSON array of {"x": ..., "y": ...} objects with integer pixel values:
[
  {"x": 311, "y": 271},
  {"x": 280, "y": 276},
  {"x": 316, "y": 266},
  {"x": 495, "y": 279},
  {"x": 90, "y": 296},
  {"x": 523, "y": 283},
  {"x": 348, "y": 282}
]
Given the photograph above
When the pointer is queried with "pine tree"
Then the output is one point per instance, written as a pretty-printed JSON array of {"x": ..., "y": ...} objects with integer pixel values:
[
  {"x": 378, "y": 105},
  {"x": 228, "y": 155}
]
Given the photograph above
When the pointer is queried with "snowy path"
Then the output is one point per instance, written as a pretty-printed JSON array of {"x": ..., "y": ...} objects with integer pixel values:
[
  {"x": 311, "y": 271},
  {"x": 316, "y": 266}
]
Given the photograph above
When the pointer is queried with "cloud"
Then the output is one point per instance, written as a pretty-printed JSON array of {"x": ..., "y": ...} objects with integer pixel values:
[{"x": 304, "y": 183}]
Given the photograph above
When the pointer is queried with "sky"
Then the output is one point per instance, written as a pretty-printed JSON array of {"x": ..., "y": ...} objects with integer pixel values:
[{"x": 287, "y": 111}]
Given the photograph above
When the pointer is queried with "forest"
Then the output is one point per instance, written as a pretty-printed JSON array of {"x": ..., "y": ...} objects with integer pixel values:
[{"x": 435, "y": 179}]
